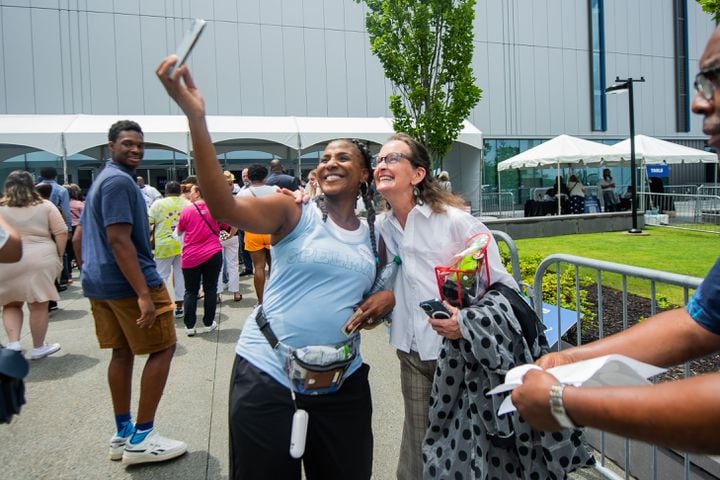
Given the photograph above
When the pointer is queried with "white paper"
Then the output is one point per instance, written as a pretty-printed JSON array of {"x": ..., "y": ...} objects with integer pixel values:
[{"x": 609, "y": 370}]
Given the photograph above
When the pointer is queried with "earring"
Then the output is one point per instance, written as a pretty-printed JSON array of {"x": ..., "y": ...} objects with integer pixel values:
[{"x": 418, "y": 198}]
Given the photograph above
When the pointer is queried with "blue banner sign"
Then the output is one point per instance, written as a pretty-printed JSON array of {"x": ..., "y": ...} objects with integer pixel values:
[{"x": 658, "y": 171}]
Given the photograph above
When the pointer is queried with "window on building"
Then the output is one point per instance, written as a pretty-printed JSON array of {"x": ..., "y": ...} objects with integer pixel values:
[
  {"x": 597, "y": 65},
  {"x": 682, "y": 81}
]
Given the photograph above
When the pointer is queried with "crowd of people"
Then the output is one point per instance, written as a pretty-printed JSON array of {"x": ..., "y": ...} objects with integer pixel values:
[
  {"x": 573, "y": 196},
  {"x": 299, "y": 390}
]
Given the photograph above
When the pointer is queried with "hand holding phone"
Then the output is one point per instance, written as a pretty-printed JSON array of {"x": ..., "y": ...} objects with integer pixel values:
[
  {"x": 435, "y": 309},
  {"x": 349, "y": 328},
  {"x": 187, "y": 43}
]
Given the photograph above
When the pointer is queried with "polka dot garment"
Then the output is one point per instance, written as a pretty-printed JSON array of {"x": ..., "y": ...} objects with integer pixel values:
[{"x": 466, "y": 439}]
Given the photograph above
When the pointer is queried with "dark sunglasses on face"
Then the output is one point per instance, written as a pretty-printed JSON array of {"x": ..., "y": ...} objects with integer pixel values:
[
  {"x": 705, "y": 82},
  {"x": 390, "y": 159}
]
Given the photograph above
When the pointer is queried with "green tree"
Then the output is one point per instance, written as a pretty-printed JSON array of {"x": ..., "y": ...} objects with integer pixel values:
[
  {"x": 712, "y": 7},
  {"x": 426, "y": 49}
]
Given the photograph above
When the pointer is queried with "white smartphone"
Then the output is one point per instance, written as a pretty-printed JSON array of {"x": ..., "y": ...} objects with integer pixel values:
[{"x": 188, "y": 42}]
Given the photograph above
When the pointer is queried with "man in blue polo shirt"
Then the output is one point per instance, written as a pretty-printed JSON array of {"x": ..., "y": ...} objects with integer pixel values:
[
  {"x": 132, "y": 309},
  {"x": 684, "y": 414}
]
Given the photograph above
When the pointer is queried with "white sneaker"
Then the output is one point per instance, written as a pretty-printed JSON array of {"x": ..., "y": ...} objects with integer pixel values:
[
  {"x": 153, "y": 449},
  {"x": 117, "y": 447},
  {"x": 210, "y": 328},
  {"x": 190, "y": 332},
  {"x": 14, "y": 346},
  {"x": 44, "y": 351}
]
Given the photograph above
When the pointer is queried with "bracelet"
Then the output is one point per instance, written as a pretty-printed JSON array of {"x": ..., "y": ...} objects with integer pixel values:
[{"x": 557, "y": 408}]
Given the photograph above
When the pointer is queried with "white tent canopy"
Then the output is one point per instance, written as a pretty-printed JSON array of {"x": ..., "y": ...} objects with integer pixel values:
[
  {"x": 562, "y": 150},
  {"x": 653, "y": 151},
  {"x": 280, "y": 130},
  {"x": 65, "y": 135},
  {"x": 90, "y": 131},
  {"x": 29, "y": 131},
  {"x": 314, "y": 130}
]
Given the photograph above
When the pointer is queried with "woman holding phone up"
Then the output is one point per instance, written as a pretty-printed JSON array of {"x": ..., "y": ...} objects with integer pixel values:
[{"x": 324, "y": 259}]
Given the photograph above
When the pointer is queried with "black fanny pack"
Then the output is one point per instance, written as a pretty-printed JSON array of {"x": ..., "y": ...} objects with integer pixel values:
[{"x": 313, "y": 369}]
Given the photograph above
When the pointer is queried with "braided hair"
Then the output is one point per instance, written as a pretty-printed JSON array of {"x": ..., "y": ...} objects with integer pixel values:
[{"x": 365, "y": 191}]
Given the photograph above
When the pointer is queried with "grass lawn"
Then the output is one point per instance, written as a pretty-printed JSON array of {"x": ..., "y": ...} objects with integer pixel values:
[{"x": 666, "y": 249}]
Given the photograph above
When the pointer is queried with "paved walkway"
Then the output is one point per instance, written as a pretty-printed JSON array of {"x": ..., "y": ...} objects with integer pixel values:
[{"x": 63, "y": 429}]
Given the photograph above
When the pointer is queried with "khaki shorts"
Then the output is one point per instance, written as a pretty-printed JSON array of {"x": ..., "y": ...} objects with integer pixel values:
[
  {"x": 116, "y": 327},
  {"x": 256, "y": 241}
]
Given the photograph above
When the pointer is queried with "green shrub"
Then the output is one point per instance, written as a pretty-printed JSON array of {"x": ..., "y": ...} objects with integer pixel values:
[{"x": 568, "y": 299}]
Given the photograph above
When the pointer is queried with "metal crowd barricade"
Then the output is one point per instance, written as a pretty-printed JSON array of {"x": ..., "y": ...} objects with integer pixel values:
[
  {"x": 513, "y": 251},
  {"x": 497, "y": 204},
  {"x": 686, "y": 211},
  {"x": 681, "y": 189},
  {"x": 708, "y": 190},
  {"x": 637, "y": 459}
]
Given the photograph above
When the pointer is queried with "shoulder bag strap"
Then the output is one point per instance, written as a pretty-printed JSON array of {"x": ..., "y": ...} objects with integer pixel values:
[
  {"x": 262, "y": 322},
  {"x": 205, "y": 220}
]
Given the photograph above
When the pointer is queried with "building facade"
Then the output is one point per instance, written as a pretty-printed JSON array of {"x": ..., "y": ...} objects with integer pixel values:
[{"x": 542, "y": 64}]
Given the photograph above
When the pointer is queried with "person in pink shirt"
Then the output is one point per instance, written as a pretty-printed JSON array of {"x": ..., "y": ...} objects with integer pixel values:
[{"x": 201, "y": 261}]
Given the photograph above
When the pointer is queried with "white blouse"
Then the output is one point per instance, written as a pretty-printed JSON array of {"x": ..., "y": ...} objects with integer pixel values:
[{"x": 428, "y": 240}]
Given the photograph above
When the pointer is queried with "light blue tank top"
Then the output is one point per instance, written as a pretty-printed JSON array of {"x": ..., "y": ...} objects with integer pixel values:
[{"x": 319, "y": 273}]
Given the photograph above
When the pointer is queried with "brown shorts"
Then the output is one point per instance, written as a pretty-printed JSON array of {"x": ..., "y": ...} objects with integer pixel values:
[
  {"x": 116, "y": 327},
  {"x": 256, "y": 241}
]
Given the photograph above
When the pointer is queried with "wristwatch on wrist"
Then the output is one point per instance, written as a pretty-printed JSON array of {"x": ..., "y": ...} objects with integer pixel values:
[{"x": 557, "y": 408}]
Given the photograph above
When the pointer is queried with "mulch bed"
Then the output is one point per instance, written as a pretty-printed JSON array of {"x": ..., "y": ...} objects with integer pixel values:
[{"x": 637, "y": 308}]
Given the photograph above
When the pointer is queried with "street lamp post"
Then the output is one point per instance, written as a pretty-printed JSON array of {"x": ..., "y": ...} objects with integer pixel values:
[{"x": 622, "y": 86}]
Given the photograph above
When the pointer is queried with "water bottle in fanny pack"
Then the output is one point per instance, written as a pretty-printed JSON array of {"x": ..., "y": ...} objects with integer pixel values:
[
  {"x": 317, "y": 369},
  {"x": 312, "y": 369}
]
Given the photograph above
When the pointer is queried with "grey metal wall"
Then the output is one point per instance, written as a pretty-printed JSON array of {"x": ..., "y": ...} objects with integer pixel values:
[
  {"x": 311, "y": 57},
  {"x": 268, "y": 57},
  {"x": 532, "y": 58}
]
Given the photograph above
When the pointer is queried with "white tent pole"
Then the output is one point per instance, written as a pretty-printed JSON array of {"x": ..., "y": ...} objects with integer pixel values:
[
  {"x": 557, "y": 191},
  {"x": 481, "y": 173},
  {"x": 299, "y": 161},
  {"x": 498, "y": 178},
  {"x": 189, "y": 154},
  {"x": 64, "y": 158}
]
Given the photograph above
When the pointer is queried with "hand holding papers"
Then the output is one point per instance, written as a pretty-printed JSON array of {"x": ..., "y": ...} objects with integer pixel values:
[{"x": 609, "y": 370}]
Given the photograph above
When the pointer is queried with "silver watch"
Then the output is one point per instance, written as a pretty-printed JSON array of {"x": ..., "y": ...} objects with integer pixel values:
[{"x": 557, "y": 408}]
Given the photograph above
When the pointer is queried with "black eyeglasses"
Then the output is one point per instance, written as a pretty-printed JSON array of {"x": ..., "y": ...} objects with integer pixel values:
[
  {"x": 705, "y": 82},
  {"x": 390, "y": 159}
]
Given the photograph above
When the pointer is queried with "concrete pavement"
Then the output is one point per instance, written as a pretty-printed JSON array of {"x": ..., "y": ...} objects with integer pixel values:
[{"x": 63, "y": 430}]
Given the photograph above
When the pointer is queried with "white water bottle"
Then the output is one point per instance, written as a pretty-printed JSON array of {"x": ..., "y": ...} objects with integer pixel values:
[
  {"x": 386, "y": 279},
  {"x": 322, "y": 354},
  {"x": 298, "y": 433}
]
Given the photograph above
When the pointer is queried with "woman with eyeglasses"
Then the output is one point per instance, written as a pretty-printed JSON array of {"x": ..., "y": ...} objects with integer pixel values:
[
  {"x": 426, "y": 226},
  {"x": 323, "y": 262}
]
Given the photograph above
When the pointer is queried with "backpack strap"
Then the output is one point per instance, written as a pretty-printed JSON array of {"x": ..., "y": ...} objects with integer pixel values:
[{"x": 526, "y": 316}]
